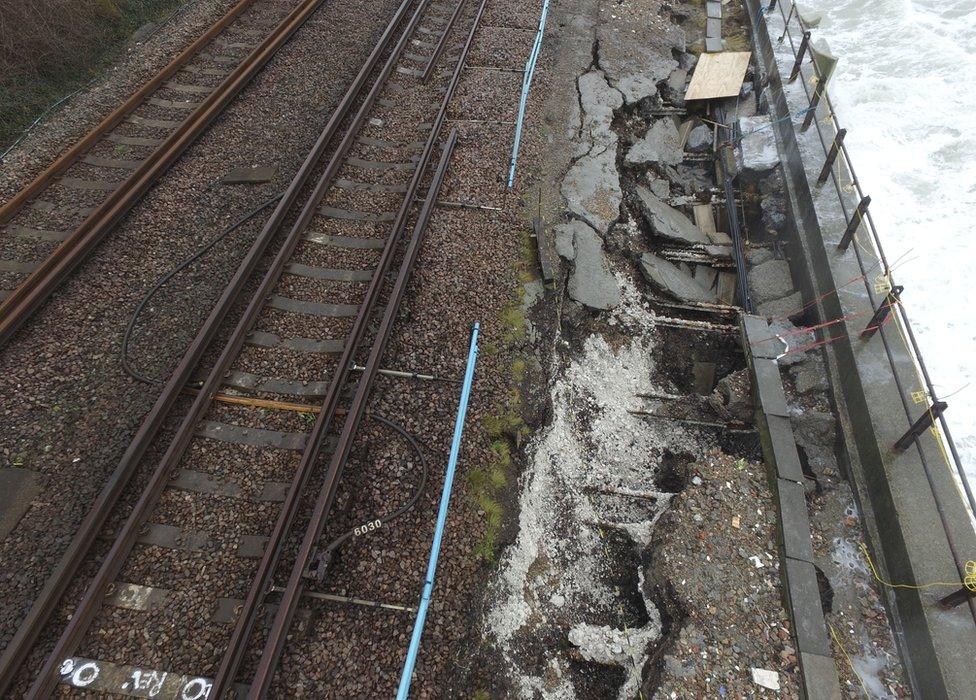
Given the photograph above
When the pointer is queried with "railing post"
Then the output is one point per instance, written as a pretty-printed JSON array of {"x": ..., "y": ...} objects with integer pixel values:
[
  {"x": 920, "y": 426},
  {"x": 881, "y": 315},
  {"x": 799, "y": 56},
  {"x": 832, "y": 156},
  {"x": 854, "y": 223},
  {"x": 957, "y": 598},
  {"x": 814, "y": 103}
]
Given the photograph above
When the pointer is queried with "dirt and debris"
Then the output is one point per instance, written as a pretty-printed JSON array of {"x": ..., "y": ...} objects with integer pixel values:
[{"x": 715, "y": 561}]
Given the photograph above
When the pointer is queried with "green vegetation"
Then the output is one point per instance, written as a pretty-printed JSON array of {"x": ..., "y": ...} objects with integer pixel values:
[
  {"x": 49, "y": 48},
  {"x": 505, "y": 427},
  {"x": 485, "y": 482}
]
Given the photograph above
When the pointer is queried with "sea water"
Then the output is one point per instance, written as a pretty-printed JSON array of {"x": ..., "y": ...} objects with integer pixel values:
[{"x": 905, "y": 89}]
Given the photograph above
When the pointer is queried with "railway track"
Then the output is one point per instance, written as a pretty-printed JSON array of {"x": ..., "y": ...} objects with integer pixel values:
[
  {"x": 51, "y": 225},
  {"x": 261, "y": 453}
]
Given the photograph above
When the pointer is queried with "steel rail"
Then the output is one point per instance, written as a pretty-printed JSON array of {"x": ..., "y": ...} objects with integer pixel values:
[
  {"x": 17, "y": 650},
  {"x": 278, "y": 633},
  {"x": 68, "y": 158},
  {"x": 231, "y": 659},
  {"x": 30, "y": 294},
  {"x": 439, "y": 47},
  {"x": 292, "y": 593}
]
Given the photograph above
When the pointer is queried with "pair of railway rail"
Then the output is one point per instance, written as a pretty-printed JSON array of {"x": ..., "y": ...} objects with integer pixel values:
[{"x": 247, "y": 436}]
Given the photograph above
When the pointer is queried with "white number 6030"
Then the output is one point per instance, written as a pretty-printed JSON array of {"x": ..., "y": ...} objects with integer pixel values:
[{"x": 368, "y": 527}]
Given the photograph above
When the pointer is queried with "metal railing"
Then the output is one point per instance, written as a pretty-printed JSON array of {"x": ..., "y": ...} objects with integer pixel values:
[{"x": 832, "y": 147}]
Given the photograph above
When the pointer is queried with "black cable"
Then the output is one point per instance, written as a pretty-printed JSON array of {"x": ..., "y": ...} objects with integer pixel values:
[
  {"x": 126, "y": 339},
  {"x": 322, "y": 560}
]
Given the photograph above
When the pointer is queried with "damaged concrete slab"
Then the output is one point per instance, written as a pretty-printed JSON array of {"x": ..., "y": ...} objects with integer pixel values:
[
  {"x": 660, "y": 144},
  {"x": 672, "y": 280},
  {"x": 666, "y": 221},
  {"x": 590, "y": 283},
  {"x": 592, "y": 187}
]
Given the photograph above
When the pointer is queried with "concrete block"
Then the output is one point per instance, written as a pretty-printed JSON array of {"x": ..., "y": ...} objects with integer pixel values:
[
  {"x": 785, "y": 455},
  {"x": 769, "y": 388},
  {"x": 713, "y": 9},
  {"x": 794, "y": 523},
  {"x": 713, "y": 27},
  {"x": 819, "y": 677},
  {"x": 762, "y": 342},
  {"x": 790, "y": 307},
  {"x": 666, "y": 221},
  {"x": 659, "y": 145},
  {"x": 672, "y": 280},
  {"x": 803, "y": 606},
  {"x": 714, "y": 44},
  {"x": 770, "y": 280}
]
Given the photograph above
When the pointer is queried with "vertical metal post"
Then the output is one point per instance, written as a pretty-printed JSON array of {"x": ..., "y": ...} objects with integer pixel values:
[
  {"x": 832, "y": 156},
  {"x": 920, "y": 426},
  {"x": 854, "y": 223},
  {"x": 881, "y": 315},
  {"x": 957, "y": 598},
  {"x": 799, "y": 57},
  {"x": 811, "y": 114}
]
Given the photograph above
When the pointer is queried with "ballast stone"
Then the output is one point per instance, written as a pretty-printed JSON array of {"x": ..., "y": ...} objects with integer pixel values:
[
  {"x": 661, "y": 144},
  {"x": 666, "y": 221},
  {"x": 672, "y": 280}
]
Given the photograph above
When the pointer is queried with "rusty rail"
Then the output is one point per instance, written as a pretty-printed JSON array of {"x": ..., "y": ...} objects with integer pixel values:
[
  {"x": 292, "y": 593},
  {"x": 17, "y": 650},
  {"x": 36, "y": 288}
]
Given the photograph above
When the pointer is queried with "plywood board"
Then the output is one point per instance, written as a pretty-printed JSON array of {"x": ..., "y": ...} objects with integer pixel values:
[{"x": 718, "y": 75}]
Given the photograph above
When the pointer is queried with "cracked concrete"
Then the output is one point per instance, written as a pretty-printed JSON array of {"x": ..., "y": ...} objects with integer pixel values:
[
  {"x": 660, "y": 144},
  {"x": 590, "y": 282},
  {"x": 666, "y": 221}
]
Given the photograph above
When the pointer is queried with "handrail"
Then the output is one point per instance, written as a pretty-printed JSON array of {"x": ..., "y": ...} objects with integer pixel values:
[
  {"x": 942, "y": 437},
  {"x": 868, "y": 221}
]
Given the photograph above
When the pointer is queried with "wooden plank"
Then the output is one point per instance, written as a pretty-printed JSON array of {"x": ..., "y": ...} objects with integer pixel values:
[
  {"x": 704, "y": 219},
  {"x": 541, "y": 245},
  {"x": 726, "y": 287},
  {"x": 683, "y": 131},
  {"x": 718, "y": 75}
]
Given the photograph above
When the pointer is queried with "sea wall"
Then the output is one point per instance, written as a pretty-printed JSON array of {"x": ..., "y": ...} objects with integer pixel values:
[{"x": 914, "y": 513}]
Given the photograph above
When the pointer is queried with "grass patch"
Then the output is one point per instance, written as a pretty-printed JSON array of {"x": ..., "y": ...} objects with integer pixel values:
[
  {"x": 513, "y": 320},
  {"x": 51, "y": 48},
  {"x": 485, "y": 484}
]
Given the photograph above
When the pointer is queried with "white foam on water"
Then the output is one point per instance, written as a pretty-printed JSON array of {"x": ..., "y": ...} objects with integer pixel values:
[{"x": 903, "y": 89}]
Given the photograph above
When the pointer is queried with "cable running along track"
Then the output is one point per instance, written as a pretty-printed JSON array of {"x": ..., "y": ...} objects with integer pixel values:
[{"x": 312, "y": 336}]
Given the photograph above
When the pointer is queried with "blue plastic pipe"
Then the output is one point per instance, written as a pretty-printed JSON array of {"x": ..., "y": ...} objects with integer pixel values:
[
  {"x": 435, "y": 547},
  {"x": 526, "y": 84}
]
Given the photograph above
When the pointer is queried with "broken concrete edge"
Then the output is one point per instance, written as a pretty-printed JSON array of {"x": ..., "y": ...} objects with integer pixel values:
[
  {"x": 801, "y": 594},
  {"x": 892, "y": 492}
]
